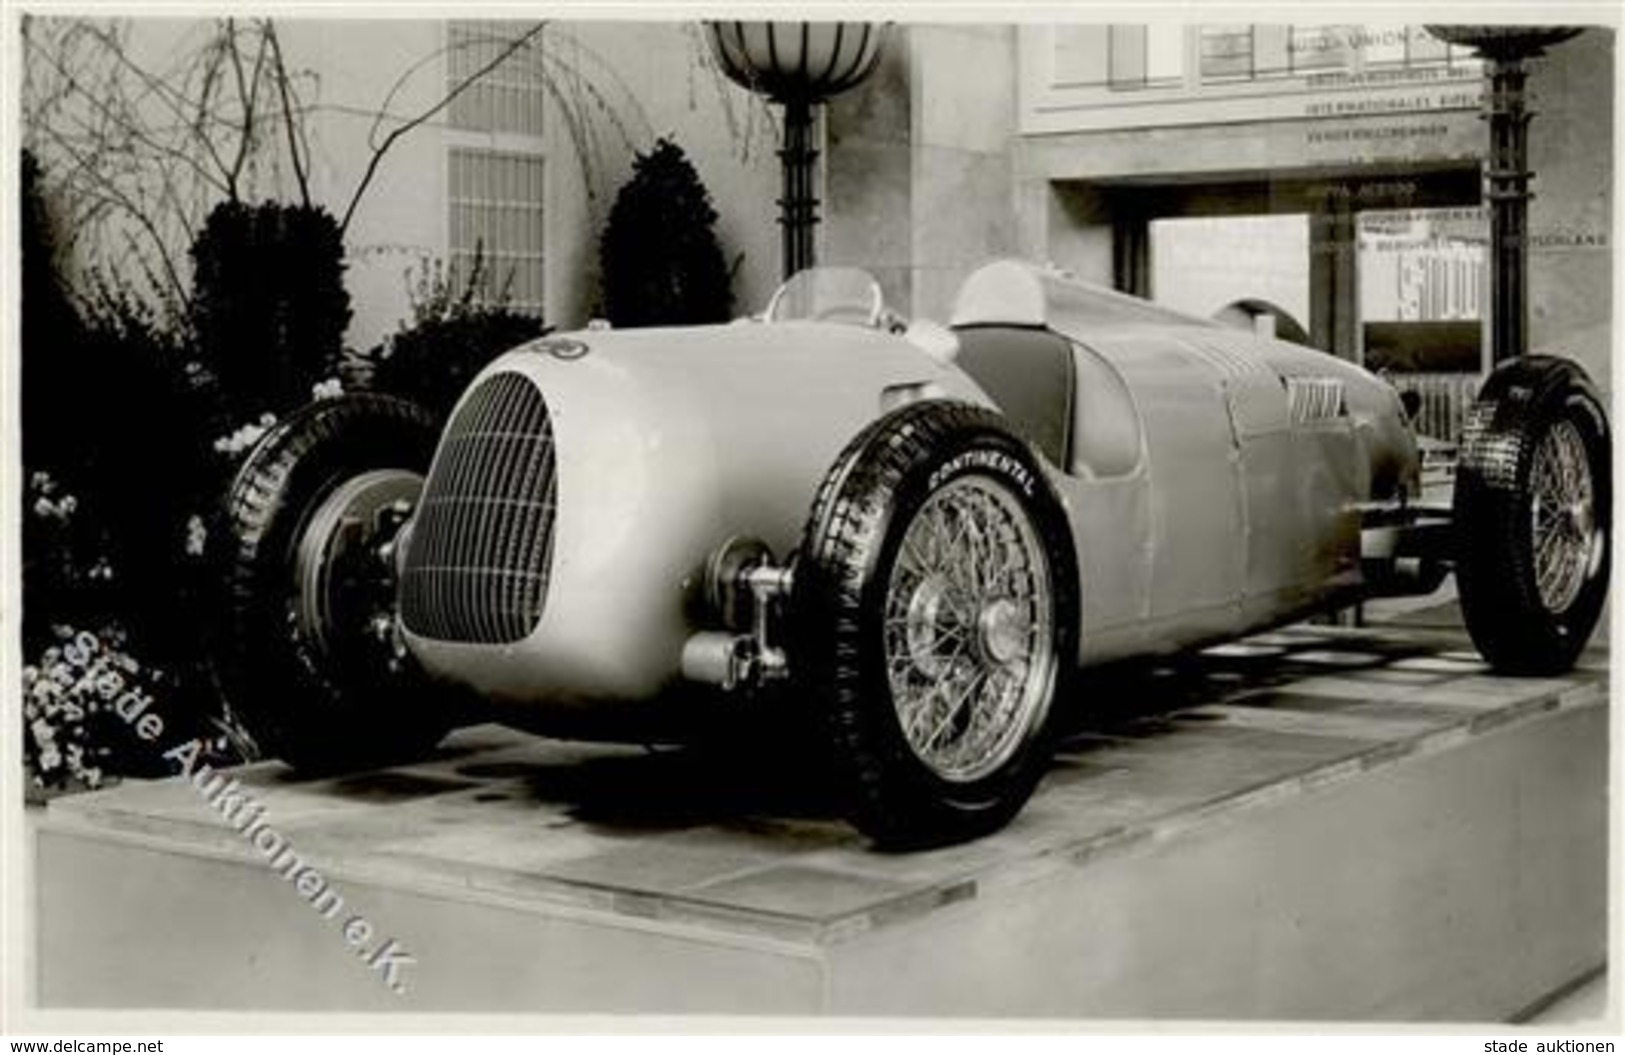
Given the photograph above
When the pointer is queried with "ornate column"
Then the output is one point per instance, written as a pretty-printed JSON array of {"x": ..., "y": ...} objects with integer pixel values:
[
  {"x": 797, "y": 65},
  {"x": 1506, "y": 169}
]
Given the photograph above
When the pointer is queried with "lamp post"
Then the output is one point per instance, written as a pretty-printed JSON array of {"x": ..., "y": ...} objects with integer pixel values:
[
  {"x": 797, "y": 65},
  {"x": 1506, "y": 170}
]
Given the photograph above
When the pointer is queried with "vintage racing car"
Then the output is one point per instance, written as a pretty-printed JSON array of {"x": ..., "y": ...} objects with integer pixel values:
[{"x": 915, "y": 535}]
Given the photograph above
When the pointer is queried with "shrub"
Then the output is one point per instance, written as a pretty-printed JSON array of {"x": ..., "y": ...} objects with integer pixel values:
[
  {"x": 269, "y": 308},
  {"x": 659, "y": 255},
  {"x": 452, "y": 335},
  {"x": 118, "y": 477},
  {"x": 114, "y": 419}
]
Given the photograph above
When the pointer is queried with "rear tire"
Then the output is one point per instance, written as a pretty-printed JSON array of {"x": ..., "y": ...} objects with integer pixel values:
[
  {"x": 1533, "y": 504},
  {"x": 303, "y": 656},
  {"x": 934, "y": 623}
]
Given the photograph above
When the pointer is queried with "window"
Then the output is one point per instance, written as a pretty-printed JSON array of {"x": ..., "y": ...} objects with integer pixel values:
[
  {"x": 1317, "y": 49},
  {"x": 1146, "y": 56},
  {"x": 1081, "y": 55},
  {"x": 1422, "y": 276},
  {"x": 507, "y": 98},
  {"x": 496, "y": 231},
  {"x": 1204, "y": 264},
  {"x": 1372, "y": 47},
  {"x": 494, "y": 160},
  {"x": 1227, "y": 53}
]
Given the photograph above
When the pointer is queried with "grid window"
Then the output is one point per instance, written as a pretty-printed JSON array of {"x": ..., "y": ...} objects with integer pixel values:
[
  {"x": 1227, "y": 53},
  {"x": 507, "y": 98},
  {"x": 1081, "y": 55},
  {"x": 496, "y": 231},
  {"x": 1317, "y": 49},
  {"x": 1146, "y": 56}
]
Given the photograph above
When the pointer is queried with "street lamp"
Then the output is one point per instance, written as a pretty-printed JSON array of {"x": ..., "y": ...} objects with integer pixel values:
[
  {"x": 798, "y": 65},
  {"x": 1506, "y": 171}
]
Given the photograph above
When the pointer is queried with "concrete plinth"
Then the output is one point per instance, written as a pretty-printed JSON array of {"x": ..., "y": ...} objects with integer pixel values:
[{"x": 1315, "y": 824}]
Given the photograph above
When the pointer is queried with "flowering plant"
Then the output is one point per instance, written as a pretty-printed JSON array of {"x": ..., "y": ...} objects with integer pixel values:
[
  {"x": 82, "y": 696},
  {"x": 243, "y": 439}
]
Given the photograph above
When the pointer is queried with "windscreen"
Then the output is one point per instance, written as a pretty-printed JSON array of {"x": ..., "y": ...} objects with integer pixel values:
[{"x": 828, "y": 294}]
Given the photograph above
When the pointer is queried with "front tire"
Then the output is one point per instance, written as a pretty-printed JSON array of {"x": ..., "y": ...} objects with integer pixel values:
[
  {"x": 935, "y": 620},
  {"x": 307, "y": 654},
  {"x": 1533, "y": 501}
]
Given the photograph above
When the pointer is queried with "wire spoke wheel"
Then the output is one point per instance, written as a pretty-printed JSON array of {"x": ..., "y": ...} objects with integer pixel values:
[
  {"x": 1532, "y": 513},
  {"x": 970, "y": 621},
  {"x": 935, "y": 616},
  {"x": 1567, "y": 542}
]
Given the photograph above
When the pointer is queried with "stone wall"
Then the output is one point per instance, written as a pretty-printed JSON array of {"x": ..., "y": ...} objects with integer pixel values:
[
  {"x": 919, "y": 178},
  {"x": 1571, "y": 150},
  {"x": 632, "y": 81},
  {"x": 658, "y": 82}
]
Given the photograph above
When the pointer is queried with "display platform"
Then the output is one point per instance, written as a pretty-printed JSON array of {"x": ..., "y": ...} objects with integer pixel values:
[{"x": 1314, "y": 824}]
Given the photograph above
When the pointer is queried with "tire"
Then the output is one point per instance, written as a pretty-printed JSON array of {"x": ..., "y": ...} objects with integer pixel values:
[
  {"x": 1518, "y": 516},
  {"x": 870, "y": 623},
  {"x": 321, "y": 705}
]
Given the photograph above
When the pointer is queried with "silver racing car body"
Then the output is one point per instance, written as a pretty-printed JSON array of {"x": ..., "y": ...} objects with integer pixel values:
[
  {"x": 910, "y": 536},
  {"x": 1213, "y": 480}
]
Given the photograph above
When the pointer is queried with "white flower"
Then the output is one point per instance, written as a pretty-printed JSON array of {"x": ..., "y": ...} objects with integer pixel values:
[
  {"x": 197, "y": 536},
  {"x": 245, "y": 437},
  {"x": 331, "y": 388}
]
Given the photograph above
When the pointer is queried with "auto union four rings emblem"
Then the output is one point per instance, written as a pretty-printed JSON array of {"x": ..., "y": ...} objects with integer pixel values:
[{"x": 562, "y": 347}]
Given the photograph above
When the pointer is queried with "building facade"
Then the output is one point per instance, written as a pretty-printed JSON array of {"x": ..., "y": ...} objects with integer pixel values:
[
  {"x": 1326, "y": 178},
  {"x": 519, "y": 170},
  {"x": 1323, "y": 181}
]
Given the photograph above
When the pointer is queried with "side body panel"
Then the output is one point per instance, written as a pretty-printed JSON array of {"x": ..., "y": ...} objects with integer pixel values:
[
  {"x": 1248, "y": 510},
  {"x": 1196, "y": 529},
  {"x": 668, "y": 442}
]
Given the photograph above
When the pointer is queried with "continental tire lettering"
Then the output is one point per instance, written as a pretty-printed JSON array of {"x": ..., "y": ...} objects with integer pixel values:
[
  {"x": 1493, "y": 455},
  {"x": 997, "y": 461}
]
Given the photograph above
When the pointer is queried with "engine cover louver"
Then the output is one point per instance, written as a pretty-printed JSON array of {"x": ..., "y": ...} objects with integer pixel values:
[
  {"x": 481, "y": 548},
  {"x": 1312, "y": 399}
]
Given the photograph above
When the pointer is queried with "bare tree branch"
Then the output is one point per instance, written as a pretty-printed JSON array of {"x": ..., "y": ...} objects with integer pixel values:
[
  {"x": 103, "y": 107},
  {"x": 445, "y": 101},
  {"x": 119, "y": 198},
  {"x": 288, "y": 123},
  {"x": 172, "y": 97}
]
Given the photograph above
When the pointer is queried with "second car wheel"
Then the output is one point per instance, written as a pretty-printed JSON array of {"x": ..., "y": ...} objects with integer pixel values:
[
  {"x": 1533, "y": 502},
  {"x": 934, "y": 622},
  {"x": 308, "y": 651}
]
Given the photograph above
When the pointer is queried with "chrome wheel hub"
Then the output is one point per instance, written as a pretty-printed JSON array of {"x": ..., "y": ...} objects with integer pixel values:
[
  {"x": 1568, "y": 547},
  {"x": 969, "y": 630},
  {"x": 345, "y": 567},
  {"x": 1002, "y": 632}
]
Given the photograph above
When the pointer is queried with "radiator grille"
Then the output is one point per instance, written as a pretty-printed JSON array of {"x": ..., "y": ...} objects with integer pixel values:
[{"x": 481, "y": 549}]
